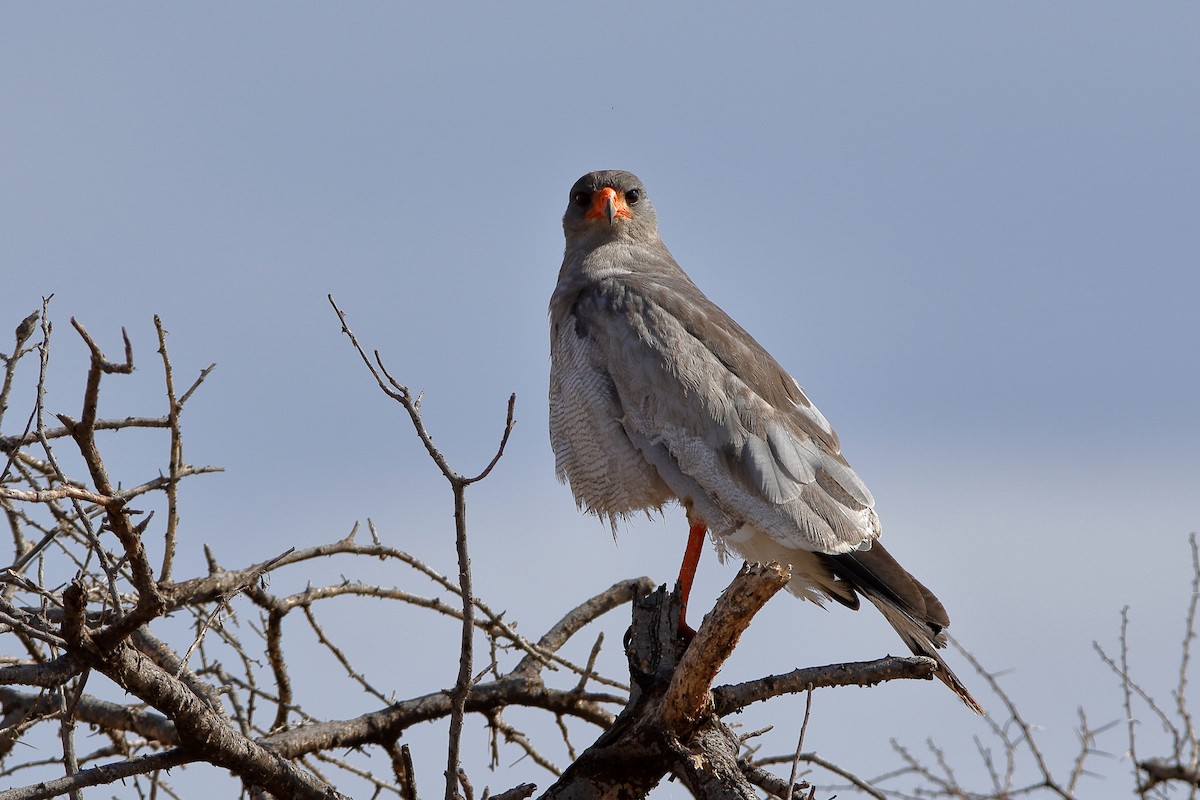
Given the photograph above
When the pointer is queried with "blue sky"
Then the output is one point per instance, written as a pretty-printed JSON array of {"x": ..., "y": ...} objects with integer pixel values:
[{"x": 972, "y": 232}]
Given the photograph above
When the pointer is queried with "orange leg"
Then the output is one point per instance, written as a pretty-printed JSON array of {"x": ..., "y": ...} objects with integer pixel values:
[{"x": 687, "y": 572}]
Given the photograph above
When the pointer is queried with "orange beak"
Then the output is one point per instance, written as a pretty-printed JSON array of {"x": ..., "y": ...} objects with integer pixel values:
[{"x": 609, "y": 204}]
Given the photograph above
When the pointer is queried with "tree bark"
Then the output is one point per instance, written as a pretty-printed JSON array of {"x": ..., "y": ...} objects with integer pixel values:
[{"x": 669, "y": 725}]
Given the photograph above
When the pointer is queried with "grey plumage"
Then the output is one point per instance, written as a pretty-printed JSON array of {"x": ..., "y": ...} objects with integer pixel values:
[{"x": 656, "y": 395}]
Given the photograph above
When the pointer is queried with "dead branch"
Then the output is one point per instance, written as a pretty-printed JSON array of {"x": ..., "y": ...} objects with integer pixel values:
[
  {"x": 458, "y": 484},
  {"x": 672, "y": 723},
  {"x": 688, "y": 694},
  {"x": 1159, "y": 770},
  {"x": 221, "y": 692},
  {"x": 729, "y": 699},
  {"x": 101, "y": 775}
]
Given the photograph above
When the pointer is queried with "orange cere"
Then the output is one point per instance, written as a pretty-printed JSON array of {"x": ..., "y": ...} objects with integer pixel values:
[{"x": 605, "y": 198}]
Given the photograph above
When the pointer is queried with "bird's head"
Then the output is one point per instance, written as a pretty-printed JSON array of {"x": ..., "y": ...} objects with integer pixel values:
[{"x": 609, "y": 204}]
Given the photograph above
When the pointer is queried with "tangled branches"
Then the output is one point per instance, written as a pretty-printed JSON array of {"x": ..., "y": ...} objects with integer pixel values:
[
  {"x": 83, "y": 599},
  {"x": 92, "y": 661},
  {"x": 98, "y": 674}
]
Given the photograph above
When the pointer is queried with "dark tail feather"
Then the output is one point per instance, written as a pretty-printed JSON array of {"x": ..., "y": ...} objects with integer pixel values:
[{"x": 906, "y": 604}]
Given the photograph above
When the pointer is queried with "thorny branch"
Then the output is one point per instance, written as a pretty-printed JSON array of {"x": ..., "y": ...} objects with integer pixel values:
[
  {"x": 96, "y": 621},
  {"x": 1183, "y": 763},
  {"x": 1017, "y": 738},
  {"x": 458, "y": 484},
  {"x": 94, "y": 667}
]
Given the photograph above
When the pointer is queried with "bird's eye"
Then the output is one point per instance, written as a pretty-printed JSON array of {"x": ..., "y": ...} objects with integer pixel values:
[
  {"x": 632, "y": 196},
  {"x": 581, "y": 199}
]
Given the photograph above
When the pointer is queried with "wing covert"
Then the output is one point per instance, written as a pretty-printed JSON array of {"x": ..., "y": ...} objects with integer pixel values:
[{"x": 752, "y": 443}]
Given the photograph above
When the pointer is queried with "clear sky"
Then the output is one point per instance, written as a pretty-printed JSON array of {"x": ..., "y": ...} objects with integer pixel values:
[{"x": 971, "y": 231}]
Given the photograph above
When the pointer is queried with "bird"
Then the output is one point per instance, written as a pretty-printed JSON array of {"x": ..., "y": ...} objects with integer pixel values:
[{"x": 658, "y": 396}]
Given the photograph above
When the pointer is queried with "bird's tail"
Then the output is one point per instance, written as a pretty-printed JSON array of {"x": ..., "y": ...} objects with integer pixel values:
[
  {"x": 922, "y": 644},
  {"x": 915, "y": 613}
]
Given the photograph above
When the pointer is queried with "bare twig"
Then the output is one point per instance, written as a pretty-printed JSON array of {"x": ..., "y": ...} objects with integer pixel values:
[
  {"x": 1188, "y": 734},
  {"x": 511, "y": 734},
  {"x": 98, "y": 776},
  {"x": 1027, "y": 736},
  {"x": 175, "y": 462},
  {"x": 342, "y": 659},
  {"x": 800, "y": 742},
  {"x": 250, "y": 577},
  {"x": 812, "y": 758},
  {"x": 458, "y": 485},
  {"x": 734, "y": 697}
]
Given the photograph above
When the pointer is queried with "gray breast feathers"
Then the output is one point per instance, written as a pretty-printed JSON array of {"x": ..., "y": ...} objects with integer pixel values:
[{"x": 607, "y": 473}]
